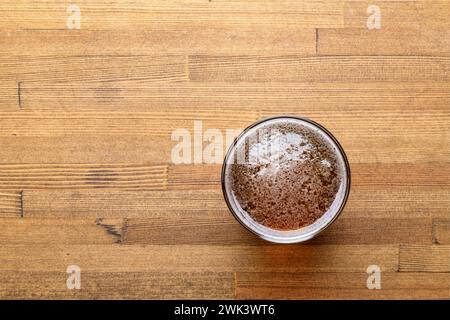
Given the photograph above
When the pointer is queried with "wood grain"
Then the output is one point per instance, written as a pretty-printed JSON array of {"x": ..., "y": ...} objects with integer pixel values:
[
  {"x": 159, "y": 123},
  {"x": 441, "y": 231},
  {"x": 84, "y": 149},
  {"x": 64, "y": 231},
  {"x": 407, "y": 14},
  {"x": 161, "y": 40},
  {"x": 118, "y": 285},
  {"x": 132, "y": 14},
  {"x": 324, "y": 100},
  {"x": 345, "y": 286},
  {"x": 96, "y": 68},
  {"x": 320, "y": 69},
  {"x": 420, "y": 258},
  {"x": 223, "y": 229},
  {"x": 199, "y": 258},
  {"x": 118, "y": 203},
  {"x": 11, "y": 204},
  {"x": 400, "y": 42},
  {"x": 62, "y": 176},
  {"x": 415, "y": 28},
  {"x": 368, "y": 202},
  {"x": 9, "y": 95},
  {"x": 86, "y": 117}
]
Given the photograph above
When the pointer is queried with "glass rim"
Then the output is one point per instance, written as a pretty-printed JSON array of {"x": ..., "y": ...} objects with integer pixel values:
[{"x": 313, "y": 233}]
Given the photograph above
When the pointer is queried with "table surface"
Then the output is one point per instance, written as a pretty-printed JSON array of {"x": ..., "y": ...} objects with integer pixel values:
[{"x": 86, "y": 123}]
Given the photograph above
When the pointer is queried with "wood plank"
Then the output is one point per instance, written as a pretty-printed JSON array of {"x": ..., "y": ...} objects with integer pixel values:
[
  {"x": 403, "y": 149},
  {"x": 11, "y": 204},
  {"x": 224, "y": 229},
  {"x": 321, "y": 101},
  {"x": 376, "y": 231},
  {"x": 414, "y": 41},
  {"x": 413, "y": 14},
  {"x": 94, "y": 149},
  {"x": 366, "y": 203},
  {"x": 117, "y": 285},
  {"x": 441, "y": 231},
  {"x": 159, "y": 40},
  {"x": 137, "y": 14},
  {"x": 62, "y": 176},
  {"x": 314, "y": 285},
  {"x": 411, "y": 174},
  {"x": 197, "y": 258},
  {"x": 407, "y": 28},
  {"x": 400, "y": 201},
  {"x": 29, "y": 231},
  {"x": 95, "y": 68},
  {"x": 117, "y": 203},
  {"x": 420, "y": 258},
  {"x": 162, "y": 121},
  {"x": 318, "y": 69}
]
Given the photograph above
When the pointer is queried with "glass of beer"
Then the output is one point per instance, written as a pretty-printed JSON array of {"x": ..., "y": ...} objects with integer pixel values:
[{"x": 286, "y": 179}]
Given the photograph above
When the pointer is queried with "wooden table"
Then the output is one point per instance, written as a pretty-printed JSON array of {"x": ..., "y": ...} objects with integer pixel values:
[{"x": 86, "y": 118}]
